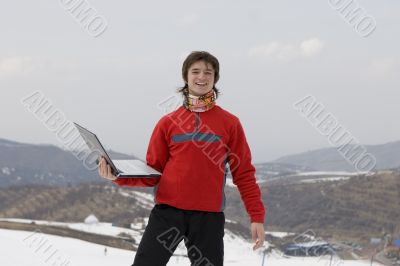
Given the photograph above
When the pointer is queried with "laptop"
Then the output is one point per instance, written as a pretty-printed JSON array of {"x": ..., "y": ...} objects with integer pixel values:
[{"x": 119, "y": 168}]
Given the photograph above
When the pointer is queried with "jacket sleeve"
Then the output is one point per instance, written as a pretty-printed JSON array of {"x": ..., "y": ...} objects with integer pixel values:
[
  {"x": 157, "y": 157},
  {"x": 243, "y": 173}
]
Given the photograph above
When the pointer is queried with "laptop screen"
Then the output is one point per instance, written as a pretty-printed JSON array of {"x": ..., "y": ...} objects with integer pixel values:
[{"x": 95, "y": 146}]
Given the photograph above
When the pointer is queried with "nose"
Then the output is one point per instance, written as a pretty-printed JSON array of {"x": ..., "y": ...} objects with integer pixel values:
[{"x": 202, "y": 76}]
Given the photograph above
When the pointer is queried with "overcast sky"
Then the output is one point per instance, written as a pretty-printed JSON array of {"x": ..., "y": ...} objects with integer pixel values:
[{"x": 272, "y": 53}]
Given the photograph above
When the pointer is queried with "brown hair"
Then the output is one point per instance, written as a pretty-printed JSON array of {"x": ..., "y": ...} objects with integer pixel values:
[{"x": 194, "y": 57}]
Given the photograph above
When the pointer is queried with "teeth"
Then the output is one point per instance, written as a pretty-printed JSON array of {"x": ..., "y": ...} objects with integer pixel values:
[{"x": 201, "y": 84}]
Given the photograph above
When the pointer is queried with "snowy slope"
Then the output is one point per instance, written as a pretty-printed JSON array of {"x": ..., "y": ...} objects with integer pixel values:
[
  {"x": 98, "y": 228},
  {"x": 34, "y": 249}
]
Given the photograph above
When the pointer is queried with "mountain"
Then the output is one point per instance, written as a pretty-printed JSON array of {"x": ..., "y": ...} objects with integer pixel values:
[
  {"x": 360, "y": 207},
  {"x": 108, "y": 202},
  {"x": 266, "y": 171},
  {"x": 47, "y": 183},
  {"x": 330, "y": 159},
  {"x": 22, "y": 163}
]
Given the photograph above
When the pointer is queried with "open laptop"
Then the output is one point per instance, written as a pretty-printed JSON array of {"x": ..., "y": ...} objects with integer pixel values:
[{"x": 120, "y": 168}]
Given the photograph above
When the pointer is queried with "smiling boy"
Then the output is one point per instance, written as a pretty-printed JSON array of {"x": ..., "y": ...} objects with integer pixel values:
[{"x": 193, "y": 147}]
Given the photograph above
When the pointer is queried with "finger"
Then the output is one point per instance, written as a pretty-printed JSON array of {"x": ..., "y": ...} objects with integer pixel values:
[
  {"x": 109, "y": 175},
  {"x": 100, "y": 165},
  {"x": 254, "y": 237},
  {"x": 257, "y": 245},
  {"x": 102, "y": 168},
  {"x": 260, "y": 240},
  {"x": 112, "y": 176}
]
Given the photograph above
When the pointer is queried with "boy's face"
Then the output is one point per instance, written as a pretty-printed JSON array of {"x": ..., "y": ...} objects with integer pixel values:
[{"x": 200, "y": 78}]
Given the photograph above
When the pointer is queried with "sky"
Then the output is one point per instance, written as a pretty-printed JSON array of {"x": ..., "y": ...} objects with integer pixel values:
[{"x": 112, "y": 76}]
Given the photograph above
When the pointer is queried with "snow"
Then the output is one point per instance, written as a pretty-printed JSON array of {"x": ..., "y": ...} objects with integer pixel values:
[
  {"x": 91, "y": 219},
  {"x": 149, "y": 197},
  {"x": 329, "y": 173},
  {"x": 144, "y": 200},
  {"x": 324, "y": 179},
  {"x": 5, "y": 170},
  {"x": 24, "y": 248},
  {"x": 311, "y": 244},
  {"x": 229, "y": 182},
  {"x": 279, "y": 234},
  {"x": 98, "y": 228},
  {"x": 27, "y": 221}
]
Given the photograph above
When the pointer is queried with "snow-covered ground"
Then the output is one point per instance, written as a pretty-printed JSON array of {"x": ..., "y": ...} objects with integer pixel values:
[
  {"x": 328, "y": 173},
  {"x": 325, "y": 179},
  {"x": 97, "y": 228},
  {"x": 279, "y": 234},
  {"x": 21, "y": 248}
]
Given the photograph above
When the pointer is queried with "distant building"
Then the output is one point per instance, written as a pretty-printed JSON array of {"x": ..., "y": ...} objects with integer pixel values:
[{"x": 91, "y": 219}]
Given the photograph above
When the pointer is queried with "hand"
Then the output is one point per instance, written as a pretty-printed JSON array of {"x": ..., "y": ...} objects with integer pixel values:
[
  {"x": 257, "y": 234},
  {"x": 105, "y": 170}
]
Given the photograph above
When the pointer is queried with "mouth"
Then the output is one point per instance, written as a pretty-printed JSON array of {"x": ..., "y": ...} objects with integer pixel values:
[{"x": 201, "y": 84}]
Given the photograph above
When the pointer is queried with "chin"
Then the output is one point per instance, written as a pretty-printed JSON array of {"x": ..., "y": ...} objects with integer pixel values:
[
  {"x": 204, "y": 91},
  {"x": 199, "y": 91}
]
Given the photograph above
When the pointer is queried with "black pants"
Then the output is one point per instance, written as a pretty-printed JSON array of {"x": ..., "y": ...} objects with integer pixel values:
[{"x": 201, "y": 231}]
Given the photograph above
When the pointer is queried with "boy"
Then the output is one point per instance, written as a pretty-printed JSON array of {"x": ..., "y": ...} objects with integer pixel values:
[{"x": 192, "y": 147}]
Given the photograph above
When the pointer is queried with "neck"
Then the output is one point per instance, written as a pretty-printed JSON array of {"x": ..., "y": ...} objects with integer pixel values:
[{"x": 199, "y": 103}]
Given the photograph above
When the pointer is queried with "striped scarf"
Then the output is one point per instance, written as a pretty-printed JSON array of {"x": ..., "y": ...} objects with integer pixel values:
[{"x": 199, "y": 103}]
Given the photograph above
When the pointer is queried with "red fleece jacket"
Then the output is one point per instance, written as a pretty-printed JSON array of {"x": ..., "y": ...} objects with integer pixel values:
[{"x": 191, "y": 150}]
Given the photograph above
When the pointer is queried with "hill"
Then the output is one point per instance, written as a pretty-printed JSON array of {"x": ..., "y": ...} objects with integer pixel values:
[{"x": 329, "y": 159}]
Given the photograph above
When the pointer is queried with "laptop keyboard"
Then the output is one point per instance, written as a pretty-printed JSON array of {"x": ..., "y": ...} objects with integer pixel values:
[{"x": 128, "y": 167}]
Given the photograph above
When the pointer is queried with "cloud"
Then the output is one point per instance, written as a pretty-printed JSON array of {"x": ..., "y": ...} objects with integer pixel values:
[
  {"x": 311, "y": 47},
  {"x": 22, "y": 66},
  {"x": 17, "y": 66},
  {"x": 383, "y": 67},
  {"x": 286, "y": 52}
]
